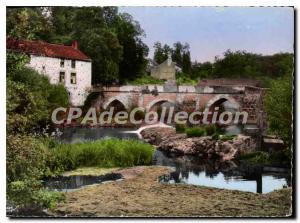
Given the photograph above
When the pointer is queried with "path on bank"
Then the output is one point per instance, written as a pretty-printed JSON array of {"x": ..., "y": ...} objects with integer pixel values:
[{"x": 142, "y": 195}]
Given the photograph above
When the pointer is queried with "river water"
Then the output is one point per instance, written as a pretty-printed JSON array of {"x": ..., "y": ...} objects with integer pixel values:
[{"x": 190, "y": 170}]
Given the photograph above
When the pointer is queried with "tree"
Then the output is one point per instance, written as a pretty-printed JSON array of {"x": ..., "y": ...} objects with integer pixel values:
[
  {"x": 177, "y": 53},
  {"x": 30, "y": 97},
  {"x": 133, "y": 62},
  {"x": 186, "y": 59},
  {"x": 202, "y": 70},
  {"x": 159, "y": 54},
  {"x": 28, "y": 23},
  {"x": 279, "y": 108}
]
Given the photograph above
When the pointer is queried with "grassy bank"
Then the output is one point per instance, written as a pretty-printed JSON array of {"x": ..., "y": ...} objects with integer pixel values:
[
  {"x": 101, "y": 153},
  {"x": 31, "y": 159},
  {"x": 145, "y": 196}
]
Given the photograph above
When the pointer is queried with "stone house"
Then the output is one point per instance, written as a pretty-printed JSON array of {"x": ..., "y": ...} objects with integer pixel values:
[
  {"x": 62, "y": 64},
  {"x": 166, "y": 70}
]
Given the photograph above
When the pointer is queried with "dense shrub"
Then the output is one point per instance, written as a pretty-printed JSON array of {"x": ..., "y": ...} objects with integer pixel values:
[
  {"x": 25, "y": 157},
  {"x": 30, "y": 96},
  {"x": 30, "y": 193},
  {"x": 279, "y": 108},
  {"x": 282, "y": 158},
  {"x": 182, "y": 78},
  {"x": 208, "y": 130},
  {"x": 180, "y": 128},
  {"x": 195, "y": 132},
  {"x": 102, "y": 153},
  {"x": 146, "y": 79}
]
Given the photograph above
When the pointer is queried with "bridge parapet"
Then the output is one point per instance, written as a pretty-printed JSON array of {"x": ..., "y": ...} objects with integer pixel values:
[{"x": 173, "y": 89}]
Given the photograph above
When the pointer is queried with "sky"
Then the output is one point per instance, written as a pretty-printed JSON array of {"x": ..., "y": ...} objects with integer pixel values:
[{"x": 210, "y": 31}]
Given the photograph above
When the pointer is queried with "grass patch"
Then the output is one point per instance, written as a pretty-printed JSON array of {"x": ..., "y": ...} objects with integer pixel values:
[
  {"x": 146, "y": 79},
  {"x": 208, "y": 130},
  {"x": 102, "y": 153},
  {"x": 283, "y": 158},
  {"x": 195, "y": 132},
  {"x": 91, "y": 171},
  {"x": 180, "y": 128}
]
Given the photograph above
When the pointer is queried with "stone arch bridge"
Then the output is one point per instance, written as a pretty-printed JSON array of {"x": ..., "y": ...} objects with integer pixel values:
[{"x": 244, "y": 98}]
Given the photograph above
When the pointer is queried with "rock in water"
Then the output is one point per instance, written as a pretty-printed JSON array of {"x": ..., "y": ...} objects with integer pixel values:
[{"x": 167, "y": 140}]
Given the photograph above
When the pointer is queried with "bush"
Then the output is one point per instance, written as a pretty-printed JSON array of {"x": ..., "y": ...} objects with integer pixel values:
[
  {"x": 180, "y": 128},
  {"x": 101, "y": 153},
  {"x": 226, "y": 137},
  {"x": 30, "y": 193},
  {"x": 210, "y": 129},
  {"x": 182, "y": 78},
  {"x": 146, "y": 79},
  {"x": 257, "y": 157},
  {"x": 26, "y": 157},
  {"x": 195, "y": 132},
  {"x": 281, "y": 158},
  {"x": 30, "y": 97}
]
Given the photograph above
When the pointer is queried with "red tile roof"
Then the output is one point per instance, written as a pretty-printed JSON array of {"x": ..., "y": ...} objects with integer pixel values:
[{"x": 45, "y": 49}]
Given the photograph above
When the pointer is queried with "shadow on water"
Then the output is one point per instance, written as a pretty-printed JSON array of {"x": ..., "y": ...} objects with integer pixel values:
[
  {"x": 70, "y": 183},
  {"x": 226, "y": 175},
  {"x": 75, "y": 134}
]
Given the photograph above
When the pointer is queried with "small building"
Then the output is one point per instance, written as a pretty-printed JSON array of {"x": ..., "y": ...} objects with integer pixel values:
[
  {"x": 62, "y": 64},
  {"x": 166, "y": 70}
]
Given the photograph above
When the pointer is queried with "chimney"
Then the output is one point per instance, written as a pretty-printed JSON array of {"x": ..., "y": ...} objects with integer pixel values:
[{"x": 75, "y": 44}]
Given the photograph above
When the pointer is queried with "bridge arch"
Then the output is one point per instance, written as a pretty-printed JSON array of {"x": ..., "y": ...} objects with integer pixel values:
[
  {"x": 116, "y": 99},
  {"x": 219, "y": 99},
  {"x": 158, "y": 101}
]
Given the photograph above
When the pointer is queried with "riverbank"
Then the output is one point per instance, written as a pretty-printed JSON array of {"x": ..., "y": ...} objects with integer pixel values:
[{"x": 141, "y": 195}]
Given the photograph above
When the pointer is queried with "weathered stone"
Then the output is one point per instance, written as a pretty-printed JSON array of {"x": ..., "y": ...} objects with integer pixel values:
[
  {"x": 156, "y": 135},
  {"x": 167, "y": 140}
]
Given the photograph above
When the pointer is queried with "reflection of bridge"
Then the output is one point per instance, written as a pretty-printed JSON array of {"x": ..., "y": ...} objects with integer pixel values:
[{"x": 243, "y": 98}]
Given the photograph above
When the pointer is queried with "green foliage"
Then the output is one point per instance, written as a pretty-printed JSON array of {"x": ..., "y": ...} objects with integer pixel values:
[
  {"x": 244, "y": 64},
  {"x": 195, "y": 132},
  {"x": 30, "y": 193},
  {"x": 180, "y": 128},
  {"x": 101, "y": 153},
  {"x": 180, "y": 54},
  {"x": 26, "y": 157},
  {"x": 30, "y": 96},
  {"x": 146, "y": 79},
  {"x": 15, "y": 62},
  {"x": 279, "y": 108},
  {"x": 257, "y": 157},
  {"x": 210, "y": 129},
  {"x": 226, "y": 137},
  {"x": 202, "y": 70},
  {"x": 111, "y": 39},
  {"x": 161, "y": 52},
  {"x": 182, "y": 78},
  {"x": 27, "y": 23},
  {"x": 207, "y": 130},
  {"x": 282, "y": 158}
]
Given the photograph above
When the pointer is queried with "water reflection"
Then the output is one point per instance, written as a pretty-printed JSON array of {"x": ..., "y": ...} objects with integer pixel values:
[
  {"x": 69, "y": 183},
  {"x": 229, "y": 175},
  {"x": 73, "y": 135}
]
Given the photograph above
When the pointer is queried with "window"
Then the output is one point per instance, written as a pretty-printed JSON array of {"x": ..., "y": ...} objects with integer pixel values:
[
  {"x": 73, "y": 78},
  {"x": 62, "y": 62},
  {"x": 73, "y": 63},
  {"x": 62, "y": 77}
]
